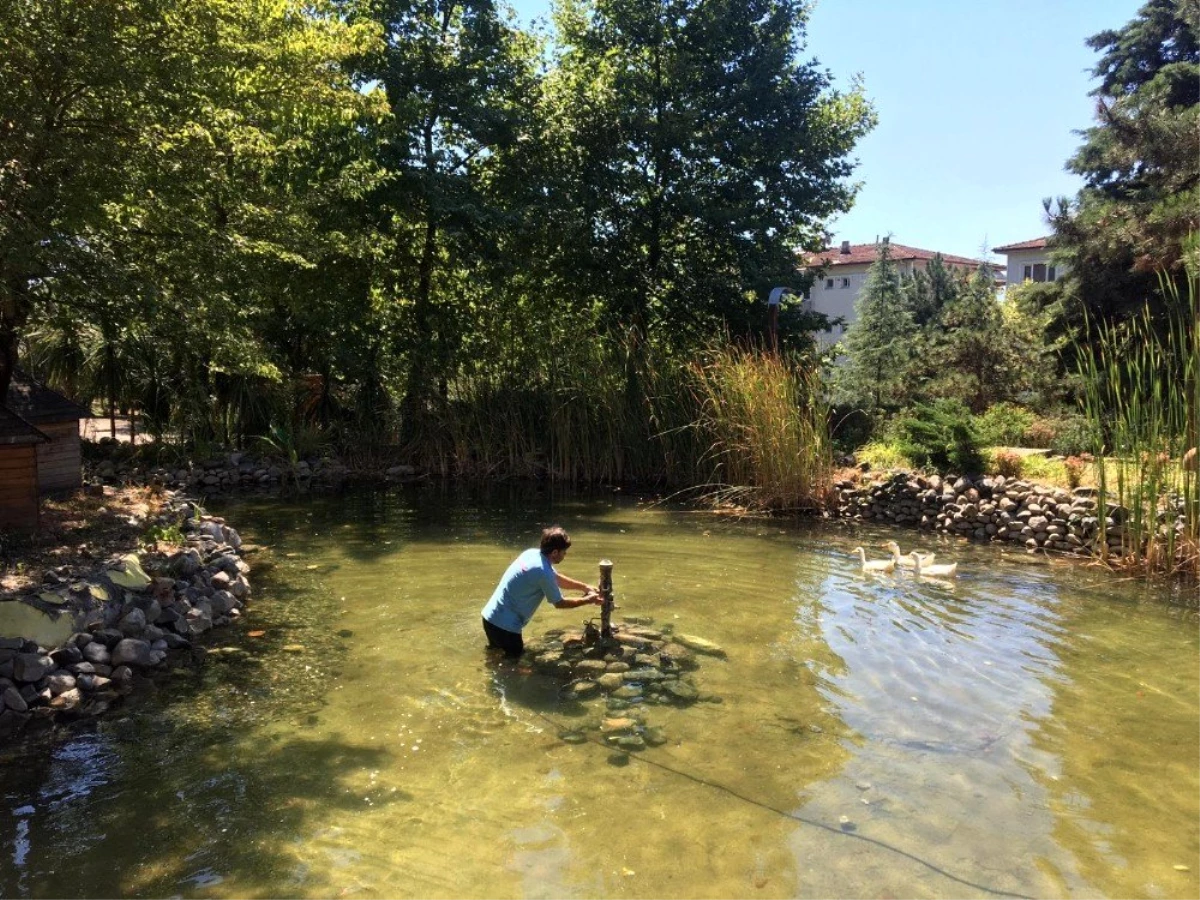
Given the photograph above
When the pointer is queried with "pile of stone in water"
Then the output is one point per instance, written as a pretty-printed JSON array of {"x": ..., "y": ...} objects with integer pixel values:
[{"x": 639, "y": 666}]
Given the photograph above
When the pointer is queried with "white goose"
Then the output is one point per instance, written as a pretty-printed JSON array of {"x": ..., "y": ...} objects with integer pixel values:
[
  {"x": 874, "y": 565},
  {"x": 943, "y": 571},
  {"x": 905, "y": 560}
]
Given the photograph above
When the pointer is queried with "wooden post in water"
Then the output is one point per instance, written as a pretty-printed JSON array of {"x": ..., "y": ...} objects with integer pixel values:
[{"x": 606, "y": 593}]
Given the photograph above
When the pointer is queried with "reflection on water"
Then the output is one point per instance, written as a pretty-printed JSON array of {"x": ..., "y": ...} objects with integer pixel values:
[{"x": 1023, "y": 729}]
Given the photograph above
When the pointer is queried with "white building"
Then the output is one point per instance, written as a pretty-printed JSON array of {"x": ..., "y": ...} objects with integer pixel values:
[
  {"x": 1029, "y": 261},
  {"x": 844, "y": 272}
]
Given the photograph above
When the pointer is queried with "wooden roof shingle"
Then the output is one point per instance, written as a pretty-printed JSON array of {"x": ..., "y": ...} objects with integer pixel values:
[
  {"x": 38, "y": 404},
  {"x": 15, "y": 430}
]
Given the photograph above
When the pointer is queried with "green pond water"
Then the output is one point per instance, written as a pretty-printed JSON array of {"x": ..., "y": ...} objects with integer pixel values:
[{"x": 1028, "y": 729}]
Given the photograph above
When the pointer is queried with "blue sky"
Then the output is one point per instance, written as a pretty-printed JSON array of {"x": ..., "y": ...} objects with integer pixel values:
[{"x": 978, "y": 104}]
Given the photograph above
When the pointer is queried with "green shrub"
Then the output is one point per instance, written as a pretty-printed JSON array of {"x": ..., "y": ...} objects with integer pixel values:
[
  {"x": 881, "y": 456},
  {"x": 941, "y": 434},
  {"x": 850, "y": 427},
  {"x": 167, "y": 534},
  {"x": 1074, "y": 467},
  {"x": 1075, "y": 436},
  {"x": 1003, "y": 425},
  {"x": 1008, "y": 464},
  {"x": 1040, "y": 433}
]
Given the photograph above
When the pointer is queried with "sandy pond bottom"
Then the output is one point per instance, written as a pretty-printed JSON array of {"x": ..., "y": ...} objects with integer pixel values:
[{"x": 1026, "y": 729}]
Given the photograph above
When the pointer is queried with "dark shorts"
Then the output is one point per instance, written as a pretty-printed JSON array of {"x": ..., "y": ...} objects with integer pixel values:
[{"x": 508, "y": 641}]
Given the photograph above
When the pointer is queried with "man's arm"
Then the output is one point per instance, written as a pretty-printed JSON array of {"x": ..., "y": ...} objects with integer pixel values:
[
  {"x": 571, "y": 584},
  {"x": 590, "y": 599}
]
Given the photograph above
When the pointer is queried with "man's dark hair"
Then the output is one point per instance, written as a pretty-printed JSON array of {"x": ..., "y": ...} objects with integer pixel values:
[{"x": 555, "y": 538}]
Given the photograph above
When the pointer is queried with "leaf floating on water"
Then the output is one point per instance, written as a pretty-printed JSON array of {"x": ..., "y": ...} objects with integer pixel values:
[
  {"x": 1182, "y": 869},
  {"x": 294, "y": 648},
  {"x": 313, "y": 566},
  {"x": 256, "y": 634},
  {"x": 52, "y": 598}
]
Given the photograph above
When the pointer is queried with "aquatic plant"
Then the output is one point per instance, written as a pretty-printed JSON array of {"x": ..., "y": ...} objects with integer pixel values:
[
  {"x": 767, "y": 426},
  {"x": 731, "y": 424},
  {"x": 1142, "y": 397}
]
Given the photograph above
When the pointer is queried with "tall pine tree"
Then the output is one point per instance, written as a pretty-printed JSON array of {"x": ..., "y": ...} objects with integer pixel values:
[
  {"x": 879, "y": 344},
  {"x": 1140, "y": 164}
]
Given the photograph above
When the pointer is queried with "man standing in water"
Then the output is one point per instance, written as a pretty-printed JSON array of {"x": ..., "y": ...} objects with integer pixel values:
[{"x": 528, "y": 580}]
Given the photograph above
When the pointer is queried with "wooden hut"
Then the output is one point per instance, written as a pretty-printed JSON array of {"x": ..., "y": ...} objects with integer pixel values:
[
  {"x": 60, "y": 465},
  {"x": 19, "y": 443}
]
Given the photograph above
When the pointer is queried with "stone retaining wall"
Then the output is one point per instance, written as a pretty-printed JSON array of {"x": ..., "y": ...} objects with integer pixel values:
[
  {"x": 1036, "y": 516},
  {"x": 132, "y": 617},
  {"x": 223, "y": 474}
]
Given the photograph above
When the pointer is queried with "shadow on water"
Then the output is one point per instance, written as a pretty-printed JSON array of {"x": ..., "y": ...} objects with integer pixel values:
[
  {"x": 210, "y": 789},
  {"x": 385, "y": 520}
]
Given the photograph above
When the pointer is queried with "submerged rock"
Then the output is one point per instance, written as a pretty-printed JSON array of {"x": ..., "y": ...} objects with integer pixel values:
[
  {"x": 638, "y": 665},
  {"x": 699, "y": 644}
]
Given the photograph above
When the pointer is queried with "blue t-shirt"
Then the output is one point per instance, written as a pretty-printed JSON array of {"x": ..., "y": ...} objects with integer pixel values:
[{"x": 526, "y": 582}]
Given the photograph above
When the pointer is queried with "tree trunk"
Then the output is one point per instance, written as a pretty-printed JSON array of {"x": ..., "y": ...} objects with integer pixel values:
[
  {"x": 12, "y": 318},
  {"x": 112, "y": 388},
  {"x": 416, "y": 391},
  {"x": 8, "y": 358}
]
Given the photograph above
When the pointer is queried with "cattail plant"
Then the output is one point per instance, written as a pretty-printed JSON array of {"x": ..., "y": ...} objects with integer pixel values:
[{"x": 1142, "y": 397}]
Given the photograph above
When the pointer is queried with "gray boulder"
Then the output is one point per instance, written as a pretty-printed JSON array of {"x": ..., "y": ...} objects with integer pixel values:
[
  {"x": 32, "y": 667},
  {"x": 132, "y": 652}
]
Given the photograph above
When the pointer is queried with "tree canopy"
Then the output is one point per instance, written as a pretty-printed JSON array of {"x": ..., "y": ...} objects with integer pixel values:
[
  {"x": 239, "y": 215},
  {"x": 1140, "y": 163}
]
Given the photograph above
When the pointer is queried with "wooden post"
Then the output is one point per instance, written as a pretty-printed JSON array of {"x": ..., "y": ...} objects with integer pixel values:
[{"x": 606, "y": 592}]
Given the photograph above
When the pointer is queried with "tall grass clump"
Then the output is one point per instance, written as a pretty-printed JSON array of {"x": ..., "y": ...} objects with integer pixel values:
[
  {"x": 765, "y": 425},
  {"x": 1142, "y": 397},
  {"x": 728, "y": 424}
]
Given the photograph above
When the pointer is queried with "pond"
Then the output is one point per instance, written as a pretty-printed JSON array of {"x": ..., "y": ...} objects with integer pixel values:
[{"x": 1026, "y": 729}]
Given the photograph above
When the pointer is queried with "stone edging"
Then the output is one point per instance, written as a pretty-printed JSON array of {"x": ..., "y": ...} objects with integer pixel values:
[
  {"x": 129, "y": 622},
  {"x": 236, "y": 471},
  {"x": 990, "y": 508}
]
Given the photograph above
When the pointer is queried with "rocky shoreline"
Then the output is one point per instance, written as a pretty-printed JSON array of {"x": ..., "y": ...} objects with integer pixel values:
[
  {"x": 132, "y": 616},
  {"x": 239, "y": 471},
  {"x": 982, "y": 508},
  {"x": 995, "y": 508}
]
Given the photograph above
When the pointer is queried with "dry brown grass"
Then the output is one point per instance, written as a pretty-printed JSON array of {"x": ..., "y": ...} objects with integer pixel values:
[{"x": 77, "y": 529}]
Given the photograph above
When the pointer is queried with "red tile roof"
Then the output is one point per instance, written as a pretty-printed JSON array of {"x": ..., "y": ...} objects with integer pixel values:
[
  {"x": 1035, "y": 244},
  {"x": 866, "y": 253}
]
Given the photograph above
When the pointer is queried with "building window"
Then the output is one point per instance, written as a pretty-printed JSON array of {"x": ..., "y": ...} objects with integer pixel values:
[
  {"x": 829, "y": 284},
  {"x": 845, "y": 282},
  {"x": 1039, "y": 272}
]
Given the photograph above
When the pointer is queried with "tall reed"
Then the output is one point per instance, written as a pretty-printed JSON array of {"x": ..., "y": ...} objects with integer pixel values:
[
  {"x": 1142, "y": 397},
  {"x": 729, "y": 424},
  {"x": 767, "y": 425}
]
